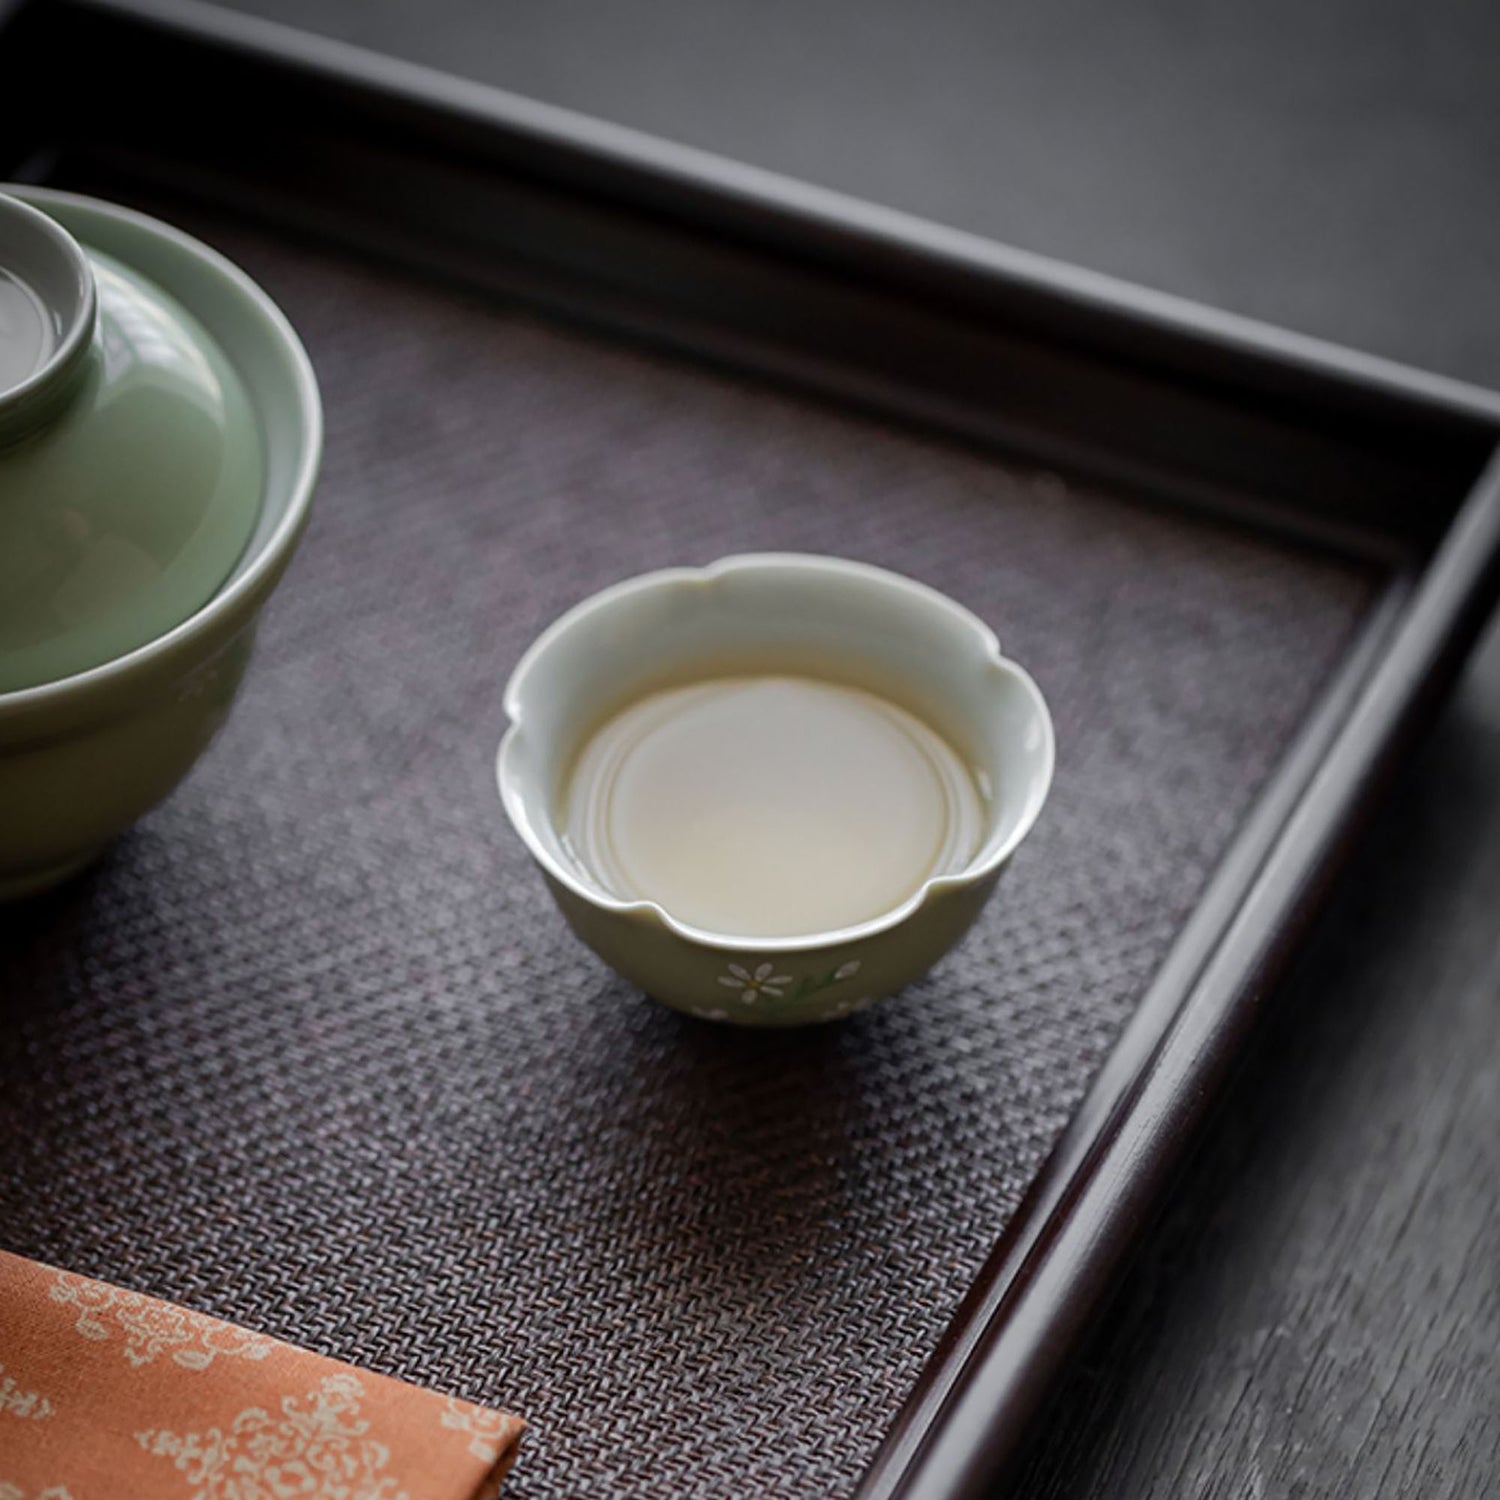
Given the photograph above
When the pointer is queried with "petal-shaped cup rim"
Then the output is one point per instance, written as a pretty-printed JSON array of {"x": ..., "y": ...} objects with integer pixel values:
[{"x": 531, "y": 669}]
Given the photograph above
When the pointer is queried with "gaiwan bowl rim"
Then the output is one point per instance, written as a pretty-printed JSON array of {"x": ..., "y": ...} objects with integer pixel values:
[
  {"x": 260, "y": 568},
  {"x": 530, "y": 667}
]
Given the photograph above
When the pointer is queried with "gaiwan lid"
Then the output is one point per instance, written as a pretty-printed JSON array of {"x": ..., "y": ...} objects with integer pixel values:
[{"x": 131, "y": 461}]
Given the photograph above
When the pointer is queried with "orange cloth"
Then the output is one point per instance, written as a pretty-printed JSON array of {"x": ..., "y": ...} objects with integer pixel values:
[{"x": 109, "y": 1395}]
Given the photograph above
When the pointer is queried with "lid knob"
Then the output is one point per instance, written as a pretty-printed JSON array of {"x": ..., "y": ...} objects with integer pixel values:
[{"x": 47, "y": 313}]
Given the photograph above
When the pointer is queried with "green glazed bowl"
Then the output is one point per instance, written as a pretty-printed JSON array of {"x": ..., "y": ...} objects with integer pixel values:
[
  {"x": 83, "y": 755},
  {"x": 774, "y": 612}
]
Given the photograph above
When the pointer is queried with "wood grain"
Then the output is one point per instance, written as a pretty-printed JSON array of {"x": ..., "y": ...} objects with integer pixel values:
[{"x": 1320, "y": 1313}]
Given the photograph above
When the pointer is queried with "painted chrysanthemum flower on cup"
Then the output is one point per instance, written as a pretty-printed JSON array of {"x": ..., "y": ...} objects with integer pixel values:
[{"x": 752, "y": 984}]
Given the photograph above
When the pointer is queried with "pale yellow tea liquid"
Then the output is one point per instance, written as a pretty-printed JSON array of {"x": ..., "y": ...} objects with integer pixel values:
[{"x": 770, "y": 806}]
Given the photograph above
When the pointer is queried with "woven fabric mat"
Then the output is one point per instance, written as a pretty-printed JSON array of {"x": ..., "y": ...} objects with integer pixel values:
[{"x": 313, "y": 1052}]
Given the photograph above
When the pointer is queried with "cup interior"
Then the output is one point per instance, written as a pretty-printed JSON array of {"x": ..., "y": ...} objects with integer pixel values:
[{"x": 774, "y": 613}]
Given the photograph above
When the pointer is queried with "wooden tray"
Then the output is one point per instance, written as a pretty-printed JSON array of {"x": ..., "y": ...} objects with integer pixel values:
[{"x": 1099, "y": 466}]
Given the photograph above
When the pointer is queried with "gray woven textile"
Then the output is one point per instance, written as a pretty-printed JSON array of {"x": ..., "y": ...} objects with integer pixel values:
[{"x": 312, "y": 1051}]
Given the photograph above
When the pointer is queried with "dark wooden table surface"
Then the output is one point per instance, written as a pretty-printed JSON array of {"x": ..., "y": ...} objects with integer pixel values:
[{"x": 1319, "y": 1314}]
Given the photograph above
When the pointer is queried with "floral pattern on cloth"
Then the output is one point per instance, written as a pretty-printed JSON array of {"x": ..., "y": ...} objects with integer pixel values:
[
  {"x": 319, "y": 1446},
  {"x": 486, "y": 1429},
  {"x": 103, "y": 1386},
  {"x": 151, "y": 1328},
  {"x": 27, "y": 1405}
]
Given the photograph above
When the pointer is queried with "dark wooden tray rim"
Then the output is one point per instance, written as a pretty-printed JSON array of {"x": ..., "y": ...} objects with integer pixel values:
[{"x": 1178, "y": 404}]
